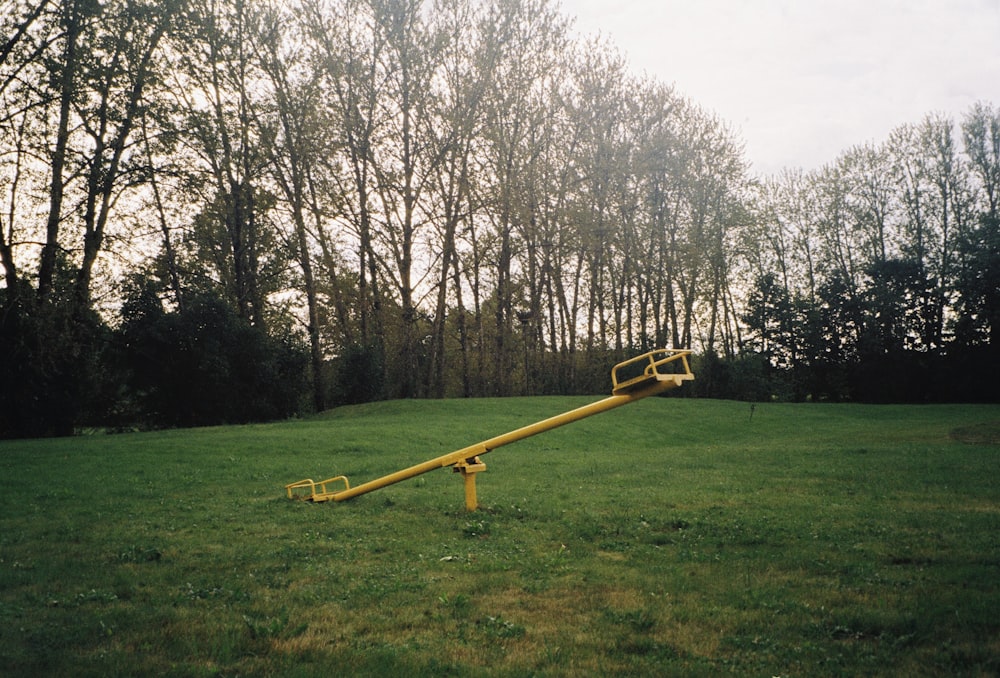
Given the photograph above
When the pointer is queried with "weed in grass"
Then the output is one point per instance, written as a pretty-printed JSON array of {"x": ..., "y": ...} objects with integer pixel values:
[
  {"x": 458, "y": 606},
  {"x": 637, "y": 621},
  {"x": 139, "y": 554},
  {"x": 500, "y": 628},
  {"x": 477, "y": 529}
]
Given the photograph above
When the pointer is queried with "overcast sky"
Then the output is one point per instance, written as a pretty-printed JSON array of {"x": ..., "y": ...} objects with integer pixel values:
[{"x": 802, "y": 80}]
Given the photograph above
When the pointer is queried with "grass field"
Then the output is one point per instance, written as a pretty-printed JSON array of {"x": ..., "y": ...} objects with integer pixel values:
[{"x": 671, "y": 537}]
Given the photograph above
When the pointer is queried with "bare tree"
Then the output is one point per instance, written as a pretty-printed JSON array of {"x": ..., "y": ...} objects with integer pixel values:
[
  {"x": 299, "y": 131},
  {"x": 216, "y": 80},
  {"x": 350, "y": 51},
  {"x": 979, "y": 244},
  {"x": 531, "y": 35}
]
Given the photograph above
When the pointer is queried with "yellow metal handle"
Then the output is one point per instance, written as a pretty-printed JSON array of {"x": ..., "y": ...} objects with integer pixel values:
[
  {"x": 660, "y": 358},
  {"x": 311, "y": 485}
]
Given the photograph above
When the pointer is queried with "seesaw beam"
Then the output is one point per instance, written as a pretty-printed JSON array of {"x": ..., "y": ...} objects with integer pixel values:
[{"x": 632, "y": 380}]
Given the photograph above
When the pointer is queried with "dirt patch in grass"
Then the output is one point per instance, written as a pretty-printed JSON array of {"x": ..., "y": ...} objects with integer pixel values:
[{"x": 979, "y": 434}]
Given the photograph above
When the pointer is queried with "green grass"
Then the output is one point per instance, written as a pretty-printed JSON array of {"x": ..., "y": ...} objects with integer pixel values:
[{"x": 671, "y": 537}]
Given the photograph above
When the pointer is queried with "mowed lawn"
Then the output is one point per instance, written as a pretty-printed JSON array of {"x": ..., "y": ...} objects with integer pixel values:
[{"x": 670, "y": 537}]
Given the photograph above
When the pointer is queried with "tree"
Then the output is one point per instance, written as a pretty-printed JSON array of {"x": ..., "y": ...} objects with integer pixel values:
[
  {"x": 31, "y": 34},
  {"x": 529, "y": 37},
  {"x": 770, "y": 319},
  {"x": 601, "y": 164},
  {"x": 298, "y": 128},
  {"x": 77, "y": 73},
  {"x": 108, "y": 58},
  {"x": 410, "y": 63},
  {"x": 457, "y": 112},
  {"x": 204, "y": 364},
  {"x": 934, "y": 194},
  {"x": 216, "y": 80},
  {"x": 979, "y": 244},
  {"x": 349, "y": 52}
]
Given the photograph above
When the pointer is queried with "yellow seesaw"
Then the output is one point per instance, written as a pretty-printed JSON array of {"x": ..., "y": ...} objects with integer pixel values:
[{"x": 640, "y": 377}]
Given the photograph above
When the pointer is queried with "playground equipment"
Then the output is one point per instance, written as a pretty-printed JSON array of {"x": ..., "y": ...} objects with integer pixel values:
[{"x": 640, "y": 377}]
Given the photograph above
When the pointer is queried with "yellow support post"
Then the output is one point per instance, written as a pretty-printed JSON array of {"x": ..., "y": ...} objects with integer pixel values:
[
  {"x": 640, "y": 377},
  {"x": 469, "y": 472}
]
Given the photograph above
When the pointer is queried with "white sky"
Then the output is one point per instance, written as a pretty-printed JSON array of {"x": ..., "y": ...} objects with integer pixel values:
[{"x": 800, "y": 81}]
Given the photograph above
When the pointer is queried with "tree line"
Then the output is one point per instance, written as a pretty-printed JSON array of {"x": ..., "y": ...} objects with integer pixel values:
[
  {"x": 877, "y": 277},
  {"x": 231, "y": 210}
]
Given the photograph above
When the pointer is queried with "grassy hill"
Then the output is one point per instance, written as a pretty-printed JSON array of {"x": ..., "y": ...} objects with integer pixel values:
[{"x": 671, "y": 537}]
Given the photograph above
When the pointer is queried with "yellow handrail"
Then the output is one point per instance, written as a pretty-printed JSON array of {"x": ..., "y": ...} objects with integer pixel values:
[
  {"x": 651, "y": 371},
  {"x": 312, "y": 485}
]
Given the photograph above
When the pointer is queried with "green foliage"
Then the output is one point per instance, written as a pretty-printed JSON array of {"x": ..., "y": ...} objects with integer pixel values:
[
  {"x": 203, "y": 364},
  {"x": 979, "y": 284},
  {"x": 749, "y": 376},
  {"x": 866, "y": 345},
  {"x": 359, "y": 374},
  {"x": 770, "y": 317},
  {"x": 670, "y": 537},
  {"x": 52, "y": 374}
]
